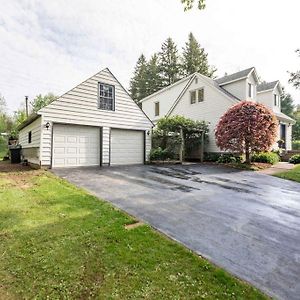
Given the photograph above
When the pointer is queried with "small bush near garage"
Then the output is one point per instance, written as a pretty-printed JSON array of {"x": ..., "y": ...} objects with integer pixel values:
[
  {"x": 265, "y": 157},
  {"x": 295, "y": 159},
  {"x": 160, "y": 154},
  {"x": 211, "y": 156},
  {"x": 226, "y": 158}
]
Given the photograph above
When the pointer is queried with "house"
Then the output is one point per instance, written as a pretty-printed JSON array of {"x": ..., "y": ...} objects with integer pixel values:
[
  {"x": 205, "y": 99},
  {"x": 94, "y": 124}
]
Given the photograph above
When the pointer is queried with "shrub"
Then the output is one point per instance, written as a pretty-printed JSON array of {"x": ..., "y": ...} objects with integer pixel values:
[
  {"x": 265, "y": 157},
  {"x": 295, "y": 159},
  {"x": 226, "y": 158},
  {"x": 160, "y": 154},
  {"x": 211, "y": 156},
  {"x": 296, "y": 145}
]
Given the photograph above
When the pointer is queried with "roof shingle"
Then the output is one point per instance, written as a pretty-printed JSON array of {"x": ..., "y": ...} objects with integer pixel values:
[{"x": 234, "y": 76}]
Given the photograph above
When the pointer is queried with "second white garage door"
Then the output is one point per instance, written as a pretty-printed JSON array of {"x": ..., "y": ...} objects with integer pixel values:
[
  {"x": 127, "y": 147},
  {"x": 75, "y": 145}
]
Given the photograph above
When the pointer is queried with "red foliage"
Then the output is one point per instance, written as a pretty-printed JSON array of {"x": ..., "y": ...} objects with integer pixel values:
[{"x": 247, "y": 127}]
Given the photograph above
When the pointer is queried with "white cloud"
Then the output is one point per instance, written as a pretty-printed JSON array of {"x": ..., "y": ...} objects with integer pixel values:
[{"x": 53, "y": 45}]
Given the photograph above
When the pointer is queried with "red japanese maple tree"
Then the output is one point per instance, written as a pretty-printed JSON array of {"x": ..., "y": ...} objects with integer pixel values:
[{"x": 247, "y": 127}]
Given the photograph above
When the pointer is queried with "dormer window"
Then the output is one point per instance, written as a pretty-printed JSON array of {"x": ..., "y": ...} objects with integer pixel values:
[
  {"x": 275, "y": 100},
  {"x": 106, "y": 96},
  {"x": 250, "y": 90}
]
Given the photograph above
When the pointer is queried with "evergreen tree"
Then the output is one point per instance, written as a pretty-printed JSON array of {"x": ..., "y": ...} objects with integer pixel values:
[
  {"x": 169, "y": 63},
  {"x": 138, "y": 83},
  {"x": 195, "y": 59},
  {"x": 287, "y": 104},
  {"x": 154, "y": 80}
]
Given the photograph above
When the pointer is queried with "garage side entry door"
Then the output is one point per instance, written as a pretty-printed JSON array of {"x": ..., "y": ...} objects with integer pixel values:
[
  {"x": 75, "y": 146},
  {"x": 127, "y": 147}
]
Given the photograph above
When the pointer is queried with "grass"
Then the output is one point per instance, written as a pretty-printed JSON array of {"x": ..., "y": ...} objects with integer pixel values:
[
  {"x": 59, "y": 242},
  {"x": 293, "y": 174}
]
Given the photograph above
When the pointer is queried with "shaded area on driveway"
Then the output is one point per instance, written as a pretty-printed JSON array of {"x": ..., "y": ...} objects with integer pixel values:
[{"x": 246, "y": 222}]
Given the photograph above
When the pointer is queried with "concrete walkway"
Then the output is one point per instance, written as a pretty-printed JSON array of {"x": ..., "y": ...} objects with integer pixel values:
[{"x": 277, "y": 168}]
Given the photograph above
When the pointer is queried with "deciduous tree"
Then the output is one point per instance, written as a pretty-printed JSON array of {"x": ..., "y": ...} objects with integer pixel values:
[
  {"x": 287, "y": 104},
  {"x": 188, "y": 4},
  {"x": 41, "y": 101},
  {"x": 247, "y": 127}
]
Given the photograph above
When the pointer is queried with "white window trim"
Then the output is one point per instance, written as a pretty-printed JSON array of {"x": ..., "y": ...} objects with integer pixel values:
[{"x": 113, "y": 96}]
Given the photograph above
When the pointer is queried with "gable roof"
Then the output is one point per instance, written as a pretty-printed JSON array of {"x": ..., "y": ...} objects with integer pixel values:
[
  {"x": 235, "y": 76},
  {"x": 211, "y": 82},
  {"x": 167, "y": 87},
  {"x": 266, "y": 86}
]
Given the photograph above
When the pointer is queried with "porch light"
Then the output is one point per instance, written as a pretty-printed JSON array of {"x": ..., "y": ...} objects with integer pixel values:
[{"x": 47, "y": 125}]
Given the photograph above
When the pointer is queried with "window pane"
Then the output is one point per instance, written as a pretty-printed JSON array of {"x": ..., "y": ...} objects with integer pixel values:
[
  {"x": 250, "y": 90},
  {"x": 193, "y": 97},
  {"x": 106, "y": 97},
  {"x": 201, "y": 95}
]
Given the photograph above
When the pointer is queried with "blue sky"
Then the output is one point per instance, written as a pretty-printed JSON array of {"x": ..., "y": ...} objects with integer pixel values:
[{"x": 50, "y": 46}]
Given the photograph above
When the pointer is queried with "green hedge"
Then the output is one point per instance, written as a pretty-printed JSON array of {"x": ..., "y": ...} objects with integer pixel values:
[
  {"x": 160, "y": 154},
  {"x": 265, "y": 157},
  {"x": 295, "y": 159},
  {"x": 296, "y": 145}
]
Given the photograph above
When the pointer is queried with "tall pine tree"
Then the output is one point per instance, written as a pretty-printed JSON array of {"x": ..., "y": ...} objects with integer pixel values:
[
  {"x": 169, "y": 62},
  {"x": 138, "y": 83},
  {"x": 154, "y": 80},
  {"x": 195, "y": 59}
]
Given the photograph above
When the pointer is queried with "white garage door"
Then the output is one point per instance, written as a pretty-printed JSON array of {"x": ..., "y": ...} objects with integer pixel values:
[
  {"x": 75, "y": 145},
  {"x": 127, "y": 147}
]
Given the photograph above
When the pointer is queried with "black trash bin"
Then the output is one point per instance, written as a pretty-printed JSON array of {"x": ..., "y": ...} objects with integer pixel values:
[{"x": 15, "y": 154}]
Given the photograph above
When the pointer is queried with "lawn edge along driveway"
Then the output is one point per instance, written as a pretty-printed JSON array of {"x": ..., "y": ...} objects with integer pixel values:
[{"x": 59, "y": 241}]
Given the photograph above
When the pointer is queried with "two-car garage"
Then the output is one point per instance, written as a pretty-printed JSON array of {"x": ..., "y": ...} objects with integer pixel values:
[{"x": 75, "y": 145}]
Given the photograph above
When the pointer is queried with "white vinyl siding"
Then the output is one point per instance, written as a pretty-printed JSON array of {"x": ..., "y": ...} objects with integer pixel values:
[
  {"x": 127, "y": 147},
  {"x": 75, "y": 146},
  {"x": 31, "y": 150},
  {"x": 35, "y": 129},
  {"x": 80, "y": 106},
  {"x": 214, "y": 106}
]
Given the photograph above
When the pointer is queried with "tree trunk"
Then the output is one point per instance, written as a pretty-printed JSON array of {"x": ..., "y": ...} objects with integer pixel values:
[{"x": 247, "y": 152}]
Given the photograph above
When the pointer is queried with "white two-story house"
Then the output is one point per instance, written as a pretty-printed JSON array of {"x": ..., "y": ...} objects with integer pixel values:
[{"x": 205, "y": 99}]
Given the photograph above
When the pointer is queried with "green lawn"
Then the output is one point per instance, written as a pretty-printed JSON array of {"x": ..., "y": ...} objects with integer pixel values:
[
  {"x": 293, "y": 174},
  {"x": 59, "y": 242}
]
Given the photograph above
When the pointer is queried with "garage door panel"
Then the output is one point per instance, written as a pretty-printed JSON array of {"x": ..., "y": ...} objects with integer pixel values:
[
  {"x": 75, "y": 145},
  {"x": 127, "y": 147}
]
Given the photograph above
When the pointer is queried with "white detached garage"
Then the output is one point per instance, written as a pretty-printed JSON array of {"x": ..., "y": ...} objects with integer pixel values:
[{"x": 94, "y": 124}]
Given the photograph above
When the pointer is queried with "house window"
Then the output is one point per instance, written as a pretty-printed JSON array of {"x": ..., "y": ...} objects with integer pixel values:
[
  {"x": 156, "y": 109},
  {"x": 201, "y": 95},
  {"x": 193, "y": 97},
  {"x": 250, "y": 90},
  {"x": 275, "y": 100},
  {"x": 29, "y": 137},
  {"x": 106, "y": 96}
]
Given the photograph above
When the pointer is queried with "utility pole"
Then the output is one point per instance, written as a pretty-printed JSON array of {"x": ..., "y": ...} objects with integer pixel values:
[{"x": 26, "y": 105}]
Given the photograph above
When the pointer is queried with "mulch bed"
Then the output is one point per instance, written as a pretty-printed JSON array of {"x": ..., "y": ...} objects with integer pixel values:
[{"x": 6, "y": 166}]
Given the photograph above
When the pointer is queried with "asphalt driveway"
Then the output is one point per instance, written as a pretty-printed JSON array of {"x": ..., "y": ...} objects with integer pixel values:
[{"x": 245, "y": 222}]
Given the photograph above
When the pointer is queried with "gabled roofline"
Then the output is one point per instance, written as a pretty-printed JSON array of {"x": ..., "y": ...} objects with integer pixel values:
[
  {"x": 167, "y": 87},
  {"x": 241, "y": 78},
  {"x": 128, "y": 94},
  {"x": 278, "y": 84},
  {"x": 207, "y": 79},
  {"x": 41, "y": 110}
]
